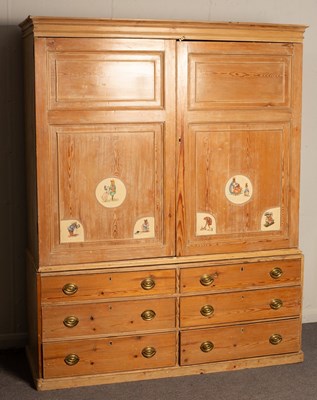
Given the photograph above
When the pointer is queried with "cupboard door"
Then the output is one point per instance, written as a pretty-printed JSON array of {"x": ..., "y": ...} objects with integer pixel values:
[
  {"x": 108, "y": 149},
  {"x": 239, "y": 147}
]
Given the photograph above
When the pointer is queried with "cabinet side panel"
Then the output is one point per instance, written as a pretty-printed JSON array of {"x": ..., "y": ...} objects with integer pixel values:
[
  {"x": 296, "y": 143},
  {"x": 34, "y": 320},
  {"x": 30, "y": 145}
]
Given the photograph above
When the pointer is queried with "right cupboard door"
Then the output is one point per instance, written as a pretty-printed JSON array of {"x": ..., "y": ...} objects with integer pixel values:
[{"x": 239, "y": 134}]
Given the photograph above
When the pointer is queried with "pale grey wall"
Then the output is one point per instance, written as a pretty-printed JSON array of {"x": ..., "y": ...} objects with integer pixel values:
[{"x": 12, "y": 205}]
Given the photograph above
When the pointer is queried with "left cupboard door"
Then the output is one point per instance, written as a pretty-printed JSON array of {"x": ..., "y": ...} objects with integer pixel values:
[{"x": 105, "y": 133}]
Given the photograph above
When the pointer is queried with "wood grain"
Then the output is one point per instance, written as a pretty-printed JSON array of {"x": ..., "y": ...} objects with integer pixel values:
[
  {"x": 239, "y": 341},
  {"x": 107, "y": 285},
  {"x": 108, "y": 355},
  {"x": 78, "y": 27},
  {"x": 240, "y": 276},
  {"x": 110, "y": 318},
  {"x": 239, "y": 306}
]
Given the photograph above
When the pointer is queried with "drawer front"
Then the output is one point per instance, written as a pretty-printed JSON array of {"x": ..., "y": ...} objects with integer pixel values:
[
  {"x": 240, "y": 276},
  {"x": 78, "y": 357},
  {"x": 72, "y": 320},
  {"x": 239, "y": 306},
  {"x": 241, "y": 341},
  {"x": 107, "y": 285}
]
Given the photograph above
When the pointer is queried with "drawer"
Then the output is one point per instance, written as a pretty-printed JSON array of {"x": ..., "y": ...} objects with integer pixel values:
[
  {"x": 62, "y": 321},
  {"x": 94, "y": 286},
  {"x": 78, "y": 357},
  {"x": 240, "y": 276},
  {"x": 239, "y": 306},
  {"x": 240, "y": 341}
]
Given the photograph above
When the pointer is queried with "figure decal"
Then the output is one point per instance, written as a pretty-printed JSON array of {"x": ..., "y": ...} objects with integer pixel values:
[
  {"x": 234, "y": 187},
  {"x": 205, "y": 224},
  {"x": 111, "y": 192},
  {"x": 268, "y": 219},
  {"x": 271, "y": 219},
  {"x": 71, "y": 231},
  {"x": 238, "y": 189},
  {"x": 144, "y": 228}
]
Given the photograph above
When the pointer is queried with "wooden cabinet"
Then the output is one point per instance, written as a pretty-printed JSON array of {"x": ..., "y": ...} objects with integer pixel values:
[{"x": 163, "y": 187}]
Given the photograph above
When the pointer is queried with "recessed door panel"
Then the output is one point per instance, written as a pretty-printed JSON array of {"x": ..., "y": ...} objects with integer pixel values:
[
  {"x": 109, "y": 179},
  {"x": 246, "y": 76},
  {"x": 239, "y": 175},
  {"x": 106, "y": 74},
  {"x": 110, "y": 187}
]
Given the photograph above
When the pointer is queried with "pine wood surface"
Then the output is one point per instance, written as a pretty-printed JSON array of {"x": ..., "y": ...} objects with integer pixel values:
[
  {"x": 236, "y": 147},
  {"x": 108, "y": 355},
  {"x": 156, "y": 263},
  {"x": 110, "y": 318},
  {"x": 121, "y": 148},
  {"x": 171, "y": 112},
  {"x": 239, "y": 341},
  {"x": 221, "y": 366},
  {"x": 66, "y": 152},
  {"x": 240, "y": 276},
  {"x": 239, "y": 306},
  {"x": 108, "y": 285},
  {"x": 232, "y": 31}
]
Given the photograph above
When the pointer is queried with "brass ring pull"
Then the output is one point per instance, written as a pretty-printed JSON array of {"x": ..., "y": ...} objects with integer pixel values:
[
  {"x": 206, "y": 347},
  {"x": 71, "y": 359},
  {"x": 207, "y": 310},
  {"x": 71, "y": 321},
  {"x": 206, "y": 280},
  {"x": 276, "y": 339},
  {"x": 148, "y": 283},
  {"x": 69, "y": 289},
  {"x": 148, "y": 315},
  {"x": 275, "y": 304},
  {"x": 148, "y": 352},
  {"x": 276, "y": 273}
]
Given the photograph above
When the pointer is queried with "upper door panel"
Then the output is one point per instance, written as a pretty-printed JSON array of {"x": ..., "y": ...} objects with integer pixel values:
[
  {"x": 234, "y": 81},
  {"x": 106, "y": 74},
  {"x": 238, "y": 75}
]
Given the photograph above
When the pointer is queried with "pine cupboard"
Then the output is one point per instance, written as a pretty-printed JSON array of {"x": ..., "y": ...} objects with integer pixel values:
[{"x": 163, "y": 192}]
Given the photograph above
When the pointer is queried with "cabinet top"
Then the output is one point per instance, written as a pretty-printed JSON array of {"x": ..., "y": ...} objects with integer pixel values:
[{"x": 177, "y": 30}]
